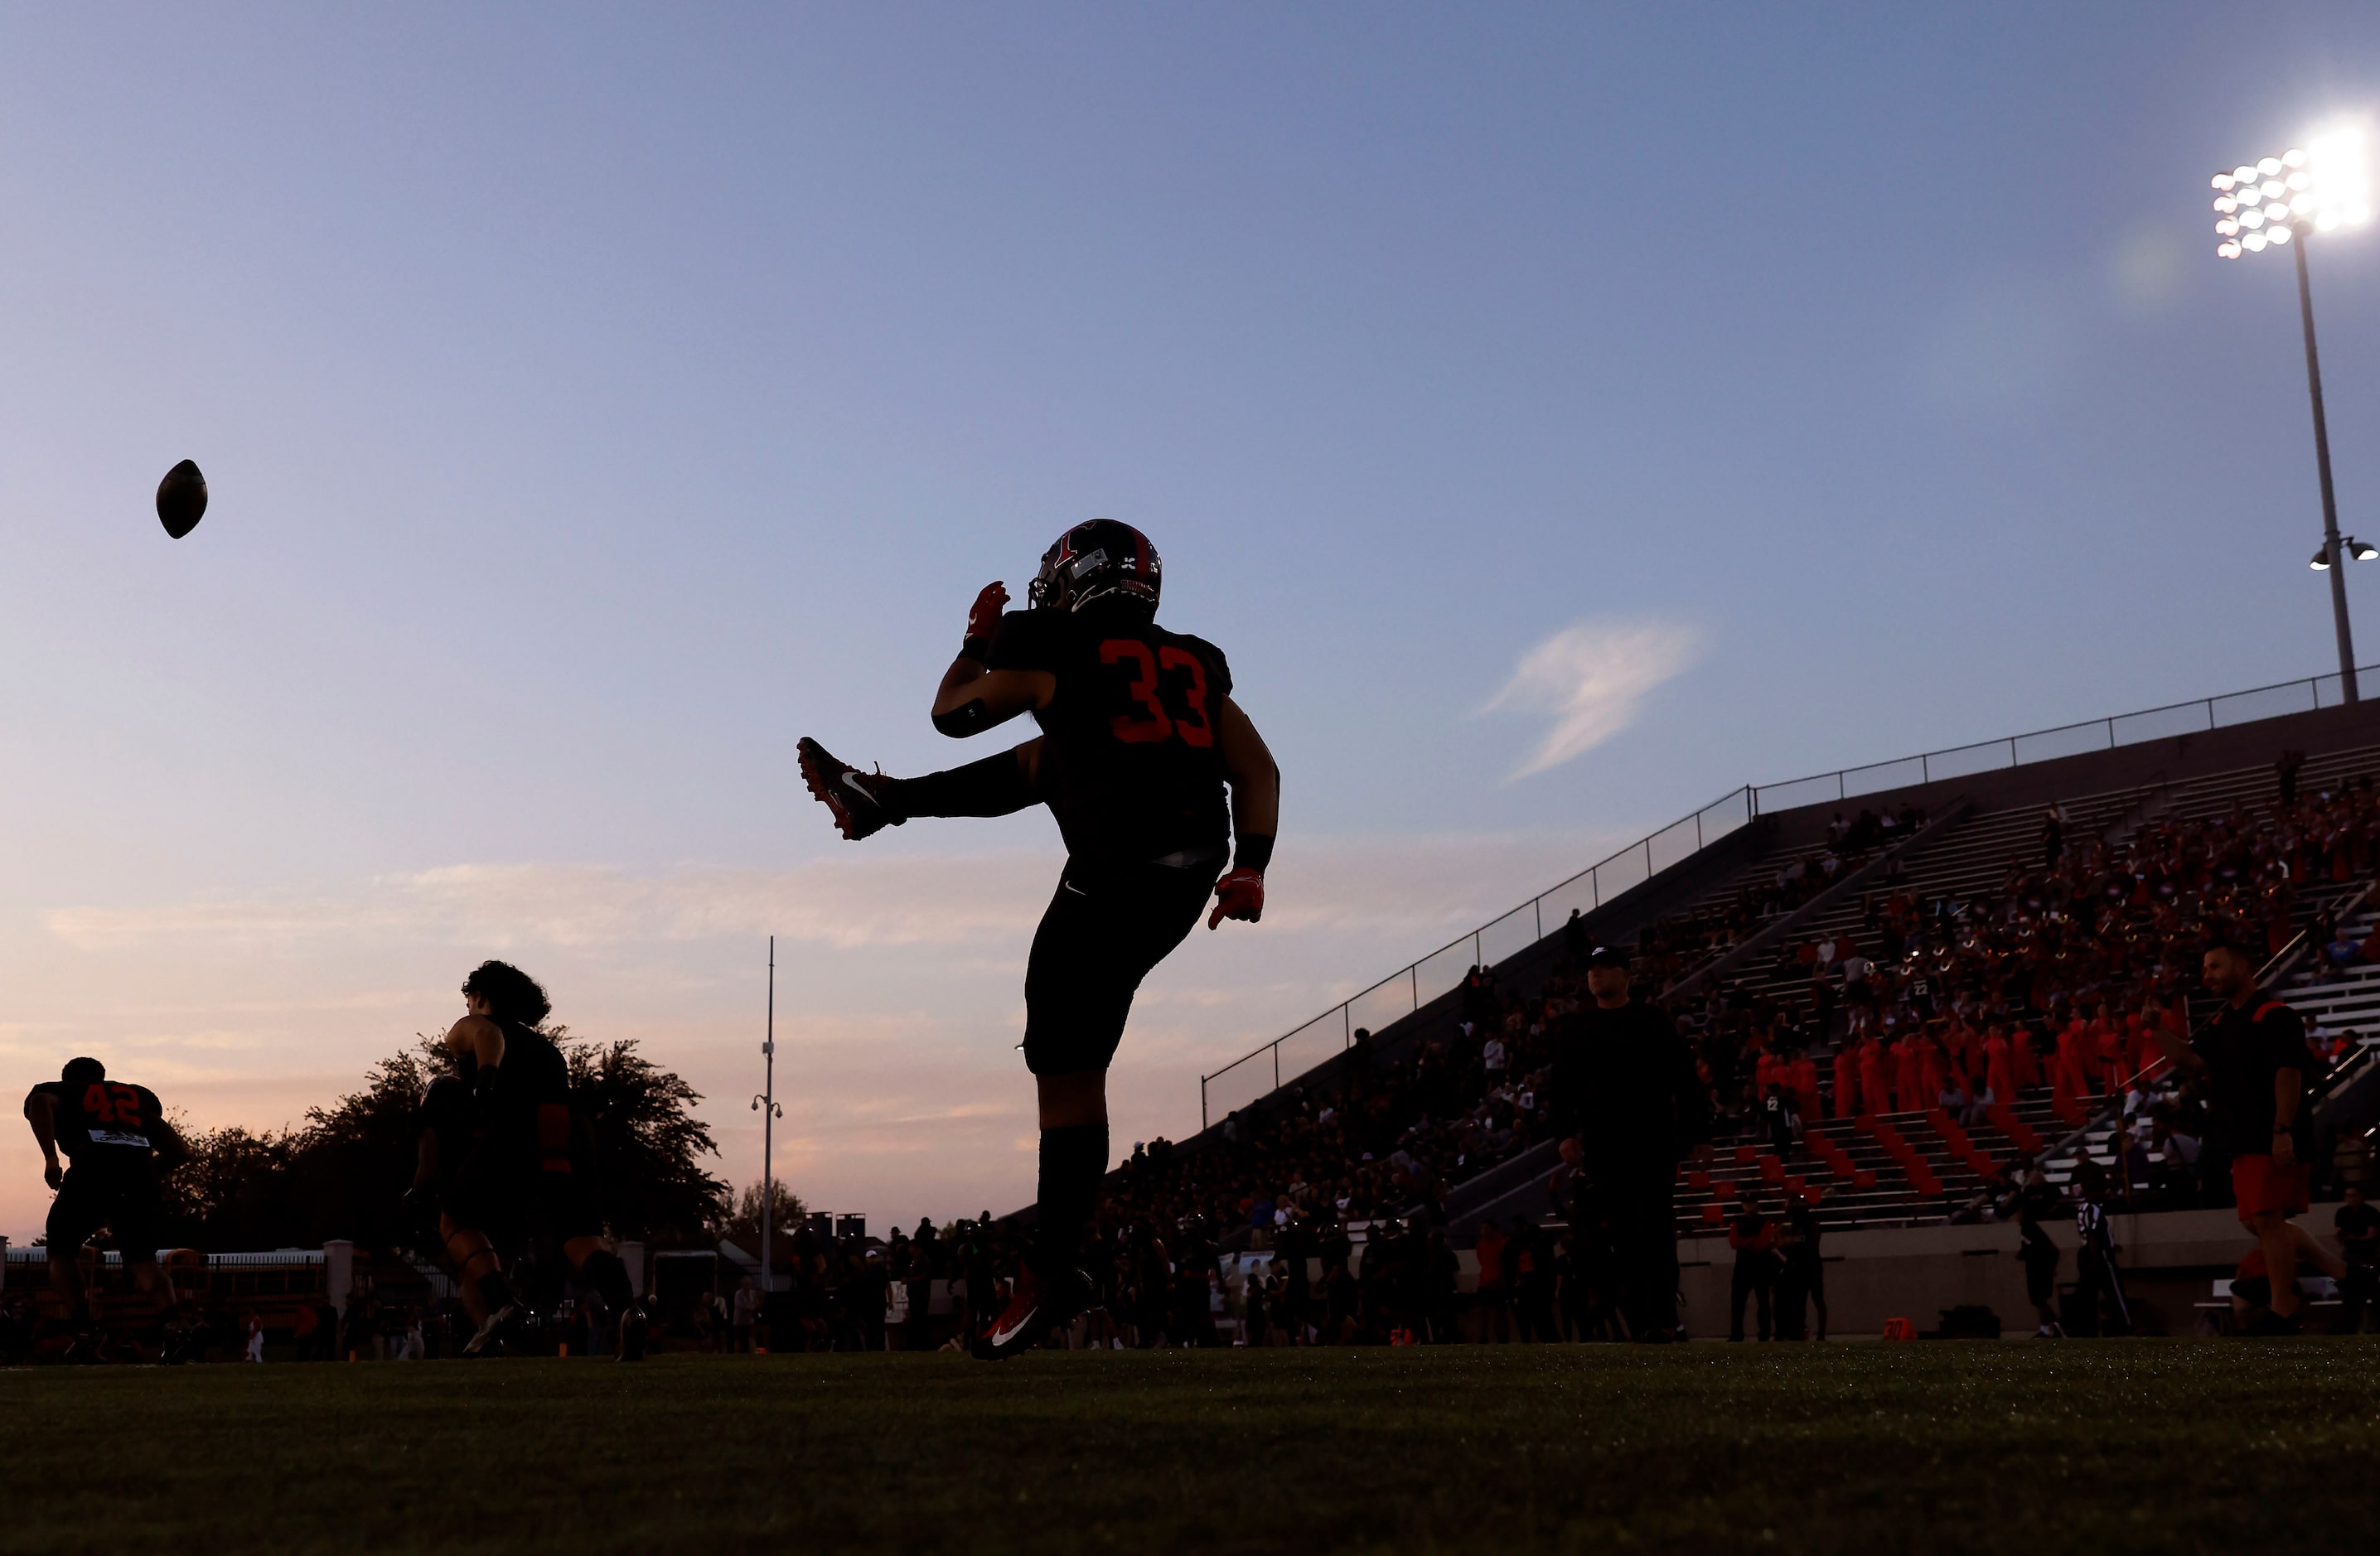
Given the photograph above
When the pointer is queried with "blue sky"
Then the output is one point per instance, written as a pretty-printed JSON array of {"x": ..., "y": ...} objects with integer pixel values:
[{"x": 595, "y": 400}]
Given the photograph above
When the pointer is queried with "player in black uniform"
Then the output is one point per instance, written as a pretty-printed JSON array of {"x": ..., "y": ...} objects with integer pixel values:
[
  {"x": 442, "y": 1203},
  {"x": 1140, "y": 737},
  {"x": 117, "y": 1139},
  {"x": 529, "y": 1168}
]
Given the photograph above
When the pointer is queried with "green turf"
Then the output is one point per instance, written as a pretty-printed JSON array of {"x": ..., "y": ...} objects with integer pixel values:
[{"x": 2105, "y": 1447}]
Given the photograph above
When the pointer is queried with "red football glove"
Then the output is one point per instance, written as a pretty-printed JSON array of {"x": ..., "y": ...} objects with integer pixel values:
[
  {"x": 1239, "y": 895},
  {"x": 983, "y": 616}
]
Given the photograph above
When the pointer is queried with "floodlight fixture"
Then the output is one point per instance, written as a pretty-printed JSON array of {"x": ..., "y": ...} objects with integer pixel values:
[{"x": 2324, "y": 184}]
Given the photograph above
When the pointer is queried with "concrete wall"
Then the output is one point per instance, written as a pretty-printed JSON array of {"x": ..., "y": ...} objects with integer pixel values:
[{"x": 2167, "y": 1258}]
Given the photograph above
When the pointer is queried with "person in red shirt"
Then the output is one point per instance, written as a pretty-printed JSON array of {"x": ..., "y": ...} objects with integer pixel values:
[
  {"x": 1931, "y": 1071},
  {"x": 1999, "y": 1073},
  {"x": 2251, "y": 1062},
  {"x": 1846, "y": 1082},
  {"x": 2061, "y": 1070},
  {"x": 1755, "y": 1242},
  {"x": 1905, "y": 1083},
  {"x": 1495, "y": 1296},
  {"x": 1875, "y": 1098},
  {"x": 2027, "y": 1064},
  {"x": 1802, "y": 1083}
]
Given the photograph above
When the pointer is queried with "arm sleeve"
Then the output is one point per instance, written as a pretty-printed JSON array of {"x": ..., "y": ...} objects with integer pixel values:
[{"x": 1026, "y": 640}]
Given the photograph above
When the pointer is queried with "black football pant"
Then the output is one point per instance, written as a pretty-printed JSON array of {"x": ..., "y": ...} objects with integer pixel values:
[
  {"x": 1105, "y": 928},
  {"x": 1644, "y": 1242},
  {"x": 1755, "y": 1276}
]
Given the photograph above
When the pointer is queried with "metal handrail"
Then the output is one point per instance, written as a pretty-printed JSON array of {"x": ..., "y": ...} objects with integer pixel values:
[
  {"x": 1844, "y": 777},
  {"x": 1751, "y": 795},
  {"x": 1639, "y": 859}
]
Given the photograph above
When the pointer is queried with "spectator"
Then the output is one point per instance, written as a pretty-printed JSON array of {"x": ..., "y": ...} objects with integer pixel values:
[
  {"x": 744, "y": 1313},
  {"x": 1628, "y": 1102},
  {"x": 1777, "y": 1120},
  {"x": 1494, "y": 1296},
  {"x": 2252, "y": 1060},
  {"x": 1755, "y": 1242},
  {"x": 303, "y": 1329},
  {"x": 2035, "y": 1203},
  {"x": 1801, "y": 1273}
]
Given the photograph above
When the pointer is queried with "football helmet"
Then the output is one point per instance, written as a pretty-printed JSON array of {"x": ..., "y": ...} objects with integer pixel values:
[{"x": 1101, "y": 560}]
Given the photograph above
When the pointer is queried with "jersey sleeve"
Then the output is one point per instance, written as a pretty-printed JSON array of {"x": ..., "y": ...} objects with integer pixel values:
[
  {"x": 1219, "y": 669},
  {"x": 1026, "y": 640}
]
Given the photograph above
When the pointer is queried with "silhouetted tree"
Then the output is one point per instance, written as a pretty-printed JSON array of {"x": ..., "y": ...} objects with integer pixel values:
[{"x": 342, "y": 1173}]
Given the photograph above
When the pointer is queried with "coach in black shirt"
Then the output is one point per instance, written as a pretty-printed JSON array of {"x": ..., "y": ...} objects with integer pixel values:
[
  {"x": 1627, "y": 1105},
  {"x": 2251, "y": 1062}
]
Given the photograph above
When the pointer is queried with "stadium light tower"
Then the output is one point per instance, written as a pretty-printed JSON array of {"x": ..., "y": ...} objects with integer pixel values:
[
  {"x": 765, "y": 1104},
  {"x": 2280, "y": 201}
]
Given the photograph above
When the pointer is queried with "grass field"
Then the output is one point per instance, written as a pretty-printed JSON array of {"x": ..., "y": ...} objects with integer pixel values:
[{"x": 2105, "y": 1447}]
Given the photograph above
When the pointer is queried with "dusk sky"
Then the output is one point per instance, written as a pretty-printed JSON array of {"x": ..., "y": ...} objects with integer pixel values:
[{"x": 1559, "y": 416}]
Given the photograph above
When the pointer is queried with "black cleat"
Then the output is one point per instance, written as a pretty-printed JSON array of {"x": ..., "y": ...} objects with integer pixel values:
[
  {"x": 857, "y": 800},
  {"x": 1032, "y": 1312}
]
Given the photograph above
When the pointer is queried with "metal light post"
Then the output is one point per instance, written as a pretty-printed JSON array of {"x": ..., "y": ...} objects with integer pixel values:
[
  {"x": 2279, "y": 201},
  {"x": 766, "y": 1103}
]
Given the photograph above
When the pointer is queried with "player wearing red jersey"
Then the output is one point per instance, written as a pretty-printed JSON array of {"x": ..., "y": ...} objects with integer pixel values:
[{"x": 116, "y": 1139}]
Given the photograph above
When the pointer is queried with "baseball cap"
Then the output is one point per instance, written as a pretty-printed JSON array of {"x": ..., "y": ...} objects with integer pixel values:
[{"x": 1608, "y": 957}]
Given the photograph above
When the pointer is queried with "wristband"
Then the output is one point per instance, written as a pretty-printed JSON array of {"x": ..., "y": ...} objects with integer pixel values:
[
  {"x": 977, "y": 648},
  {"x": 1254, "y": 853}
]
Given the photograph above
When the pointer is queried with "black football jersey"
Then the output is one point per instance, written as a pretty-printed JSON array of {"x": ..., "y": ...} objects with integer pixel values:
[
  {"x": 1129, "y": 765},
  {"x": 103, "y": 1117},
  {"x": 536, "y": 1086}
]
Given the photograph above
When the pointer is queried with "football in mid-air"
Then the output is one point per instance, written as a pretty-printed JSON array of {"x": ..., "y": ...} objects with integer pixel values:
[{"x": 182, "y": 499}]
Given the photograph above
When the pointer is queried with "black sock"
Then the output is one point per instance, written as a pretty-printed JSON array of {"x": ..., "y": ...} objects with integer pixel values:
[
  {"x": 1074, "y": 1160},
  {"x": 604, "y": 1271},
  {"x": 495, "y": 1290},
  {"x": 994, "y": 786}
]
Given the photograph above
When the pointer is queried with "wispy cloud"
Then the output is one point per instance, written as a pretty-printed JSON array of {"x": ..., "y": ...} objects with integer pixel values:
[
  {"x": 1347, "y": 884},
  {"x": 1589, "y": 678}
]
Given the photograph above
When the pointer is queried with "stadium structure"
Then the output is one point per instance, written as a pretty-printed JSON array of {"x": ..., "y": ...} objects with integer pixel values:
[{"x": 1906, "y": 1195}]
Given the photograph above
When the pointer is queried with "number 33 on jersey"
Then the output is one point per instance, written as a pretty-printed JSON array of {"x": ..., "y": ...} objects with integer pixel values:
[{"x": 1129, "y": 764}]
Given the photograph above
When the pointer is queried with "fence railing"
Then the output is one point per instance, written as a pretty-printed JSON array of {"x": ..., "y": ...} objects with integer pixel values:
[
  {"x": 1411, "y": 986},
  {"x": 2066, "y": 740}
]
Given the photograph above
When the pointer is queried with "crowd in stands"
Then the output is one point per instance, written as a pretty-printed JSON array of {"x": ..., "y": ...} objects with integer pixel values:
[
  {"x": 1672, "y": 947},
  {"x": 2059, "y": 978}
]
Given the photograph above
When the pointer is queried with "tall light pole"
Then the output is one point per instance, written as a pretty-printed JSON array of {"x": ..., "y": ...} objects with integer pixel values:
[
  {"x": 766, "y": 1104},
  {"x": 2281, "y": 200}
]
